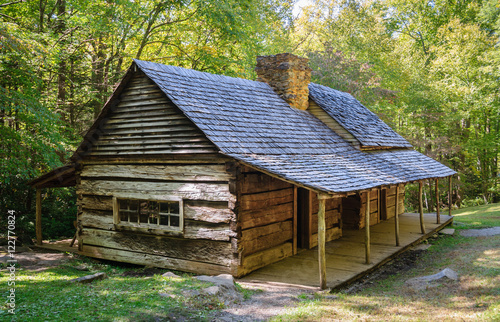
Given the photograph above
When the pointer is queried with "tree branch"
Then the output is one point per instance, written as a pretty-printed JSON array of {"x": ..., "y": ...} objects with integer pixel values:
[
  {"x": 6, "y": 16},
  {"x": 175, "y": 21},
  {"x": 9, "y": 3}
]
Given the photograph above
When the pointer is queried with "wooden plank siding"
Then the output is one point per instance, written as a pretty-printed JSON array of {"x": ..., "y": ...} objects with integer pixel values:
[
  {"x": 209, "y": 223},
  {"x": 266, "y": 207},
  {"x": 145, "y": 122}
]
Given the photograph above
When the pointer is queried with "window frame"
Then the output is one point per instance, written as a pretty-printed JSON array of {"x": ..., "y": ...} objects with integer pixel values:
[{"x": 148, "y": 227}]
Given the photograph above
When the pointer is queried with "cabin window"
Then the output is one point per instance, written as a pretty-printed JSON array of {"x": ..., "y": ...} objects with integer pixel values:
[{"x": 148, "y": 215}]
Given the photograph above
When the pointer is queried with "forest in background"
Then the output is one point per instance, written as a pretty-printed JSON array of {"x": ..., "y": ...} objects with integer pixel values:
[{"x": 429, "y": 69}]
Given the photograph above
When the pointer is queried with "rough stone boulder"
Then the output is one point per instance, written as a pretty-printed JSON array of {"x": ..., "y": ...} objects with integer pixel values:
[
  {"x": 170, "y": 274},
  {"x": 224, "y": 288}
]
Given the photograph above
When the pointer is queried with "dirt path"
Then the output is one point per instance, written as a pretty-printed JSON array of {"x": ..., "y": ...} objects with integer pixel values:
[
  {"x": 268, "y": 301},
  {"x": 35, "y": 260},
  {"x": 481, "y": 232}
]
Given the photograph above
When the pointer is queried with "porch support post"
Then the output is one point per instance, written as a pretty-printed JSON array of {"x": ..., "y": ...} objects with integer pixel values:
[
  {"x": 396, "y": 216},
  {"x": 421, "y": 207},
  {"x": 38, "y": 223},
  {"x": 438, "y": 217},
  {"x": 449, "y": 196},
  {"x": 429, "y": 202},
  {"x": 321, "y": 240},
  {"x": 294, "y": 244},
  {"x": 367, "y": 228}
]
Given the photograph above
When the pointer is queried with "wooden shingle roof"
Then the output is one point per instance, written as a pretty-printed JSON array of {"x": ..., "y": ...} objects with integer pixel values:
[
  {"x": 365, "y": 125},
  {"x": 248, "y": 121}
]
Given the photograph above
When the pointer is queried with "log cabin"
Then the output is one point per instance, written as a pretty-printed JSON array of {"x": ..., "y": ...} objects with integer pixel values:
[{"x": 212, "y": 174}]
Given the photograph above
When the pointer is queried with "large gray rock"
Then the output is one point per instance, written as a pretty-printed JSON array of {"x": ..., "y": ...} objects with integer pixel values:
[
  {"x": 170, "y": 274},
  {"x": 422, "y": 247},
  {"x": 212, "y": 290},
  {"x": 222, "y": 279},
  {"x": 224, "y": 288},
  {"x": 423, "y": 282},
  {"x": 447, "y": 231}
]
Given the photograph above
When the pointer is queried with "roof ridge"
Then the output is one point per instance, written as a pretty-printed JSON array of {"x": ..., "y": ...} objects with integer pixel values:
[
  {"x": 323, "y": 87},
  {"x": 186, "y": 72}
]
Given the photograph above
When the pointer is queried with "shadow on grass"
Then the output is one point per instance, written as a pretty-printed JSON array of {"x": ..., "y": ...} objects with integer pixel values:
[{"x": 49, "y": 295}]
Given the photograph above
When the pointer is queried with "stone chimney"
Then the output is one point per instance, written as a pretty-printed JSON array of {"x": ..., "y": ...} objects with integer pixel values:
[{"x": 288, "y": 75}]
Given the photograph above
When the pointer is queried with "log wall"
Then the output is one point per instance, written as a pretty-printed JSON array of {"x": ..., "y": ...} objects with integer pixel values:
[
  {"x": 375, "y": 206},
  {"x": 144, "y": 122},
  {"x": 266, "y": 208},
  {"x": 388, "y": 200},
  {"x": 332, "y": 220},
  {"x": 382, "y": 207},
  {"x": 207, "y": 243}
]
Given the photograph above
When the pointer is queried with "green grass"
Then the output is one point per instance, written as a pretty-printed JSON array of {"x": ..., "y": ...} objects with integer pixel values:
[
  {"x": 49, "y": 296},
  {"x": 478, "y": 217},
  {"x": 474, "y": 297}
]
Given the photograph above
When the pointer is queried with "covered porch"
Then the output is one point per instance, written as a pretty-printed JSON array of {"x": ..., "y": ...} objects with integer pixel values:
[{"x": 346, "y": 257}]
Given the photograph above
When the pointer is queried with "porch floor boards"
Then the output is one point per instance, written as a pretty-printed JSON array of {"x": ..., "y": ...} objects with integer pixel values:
[{"x": 345, "y": 257}]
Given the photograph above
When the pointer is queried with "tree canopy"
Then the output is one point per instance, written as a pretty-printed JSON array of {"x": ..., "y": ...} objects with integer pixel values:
[{"x": 429, "y": 68}]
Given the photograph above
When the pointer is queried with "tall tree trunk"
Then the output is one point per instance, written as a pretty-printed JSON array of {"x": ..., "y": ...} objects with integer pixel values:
[
  {"x": 98, "y": 82},
  {"x": 145, "y": 38},
  {"x": 71, "y": 103},
  {"x": 41, "y": 7},
  {"x": 62, "y": 68}
]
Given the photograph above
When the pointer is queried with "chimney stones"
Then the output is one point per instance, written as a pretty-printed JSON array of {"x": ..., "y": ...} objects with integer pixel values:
[{"x": 288, "y": 75}]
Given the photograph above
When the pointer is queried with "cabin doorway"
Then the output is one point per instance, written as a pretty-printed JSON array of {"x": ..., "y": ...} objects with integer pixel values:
[
  {"x": 307, "y": 219},
  {"x": 303, "y": 218}
]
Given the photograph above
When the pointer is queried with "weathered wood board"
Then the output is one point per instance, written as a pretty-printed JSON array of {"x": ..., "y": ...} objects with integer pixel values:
[
  {"x": 206, "y": 251},
  {"x": 264, "y": 258},
  {"x": 208, "y": 237},
  {"x": 184, "y": 172},
  {"x": 332, "y": 123},
  {"x": 143, "y": 122},
  {"x": 154, "y": 260},
  {"x": 266, "y": 208}
]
